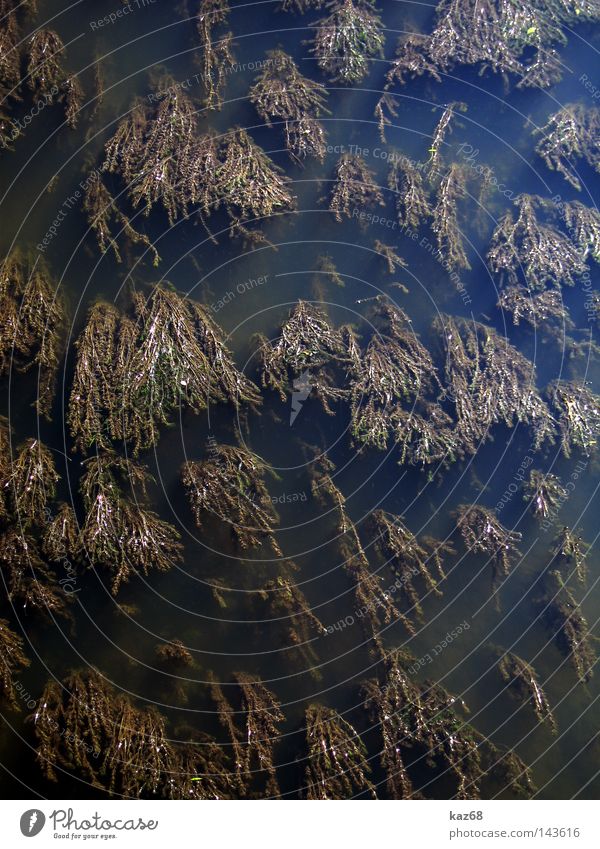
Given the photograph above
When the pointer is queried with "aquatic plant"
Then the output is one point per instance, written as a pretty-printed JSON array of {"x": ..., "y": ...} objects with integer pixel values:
[
  {"x": 31, "y": 482},
  {"x": 230, "y": 485},
  {"x": 179, "y": 358},
  {"x": 72, "y": 95},
  {"x": 536, "y": 308},
  {"x": 216, "y": 54},
  {"x": 544, "y": 492},
  {"x": 425, "y": 719},
  {"x": 325, "y": 267},
  {"x": 583, "y": 225},
  {"x": 100, "y": 208},
  {"x": 438, "y": 140},
  {"x": 85, "y": 727},
  {"x": 174, "y": 654},
  {"x": 387, "y": 702},
  {"x": 395, "y": 367},
  {"x": 504, "y": 38},
  {"x": 300, "y": 6},
  {"x": 44, "y": 69},
  {"x": 263, "y": 714},
  {"x": 93, "y": 404},
  {"x": 483, "y": 532},
  {"x": 251, "y": 185},
  {"x": 411, "y": 58},
  {"x": 408, "y": 559},
  {"x": 390, "y": 256},
  {"x": 406, "y": 182},
  {"x": 12, "y": 661},
  {"x": 347, "y": 39},
  {"x": 28, "y": 579},
  {"x": 61, "y": 539},
  {"x": 162, "y": 158},
  {"x": 523, "y": 682},
  {"x": 489, "y": 381},
  {"x": 32, "y": 323},
  {"x": 570, "y": 629},
  {"x": 133, "y": 373},
  {"x": 569, "y": 551},
  {"x": 533, "y": 248},
  {"x": 445, "y": 222},
  {"x": 354, "y": 187},
  {"x": 252, "y": 749},
  {"x": 120, "y": 533},
  {"x": 577, "y": 412},
  {"x": 569, "y": 135},
  {"x": 285, "y": 603},
  {"x": 226, "y": 716},
  {"x": 281, "y": 93},
  {"x": 376, "y": 603},
  {"x": 307, "y": 340},
  {"x": 46, "y": 76},
  {"x": 337, "y": 766}
]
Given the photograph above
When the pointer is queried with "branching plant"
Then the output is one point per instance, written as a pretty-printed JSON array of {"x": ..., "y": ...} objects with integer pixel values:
[
  {"x": 545, "y": 493},
  {"x": 445, "y": 223},
  {"x": 216, "y": 54},
  {"x": 482, "y": 532},
  {"x": 347, "y": 40},
  {"x": 569, "y": 552},
  {"x": 337, "y": 758},
  {"x": 577, "y": 412},
  {"x": 570, "y": 628},
  {"x": 230, "y": 485},
  {"x": 354, "y": 187},
  {"x": 282, "y": 94},
  {"x": 537, "y": 251},
  {"x": 523, "y": 682},
  {"x": 489, "y": 381},
  {"x": 570, "y": 135},
  {"x": 12, "y": 660},
  {"x": 118, "y": 532},
  {"x": 32, "y": 324}
]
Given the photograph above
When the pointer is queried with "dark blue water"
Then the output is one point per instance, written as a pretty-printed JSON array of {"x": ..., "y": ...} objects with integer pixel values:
[{"x": 497, "y": 124}]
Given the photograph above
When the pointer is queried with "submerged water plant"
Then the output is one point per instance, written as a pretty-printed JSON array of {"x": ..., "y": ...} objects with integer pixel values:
[
  {"x": 531, "y": 248},
  {"x": 87, "y": 728},
  {"x": 394, "y": 368},
  {"x": 570, "y": 135},
  {"x": 282, "y": 94},
  {"x": 488, "y": 381},
  {"x": 12, "y": 661},
  {"x": 230, "y": 485},
  {"x": 32, "y": 323},
  {"x": 216, "y": 53},
  {"x": 569, "y": 552},
  {"x": 133, "y": 371},
  {"x": 523, "y": 682},
  {"x": 348, "y": 39},
  {"x": 577, "y": 412},
  {"x": 354, "y": 187},
  {"x": 337, "y": 766},
  {"x": 482, "y": 532},
  {"x": 570, "y": 629},
  {"x": 120, "y": 533},
  {"x": 409, "y": 559},
  {"x": 423, "y": 719},
  {"x": 544, "y": 493}
]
